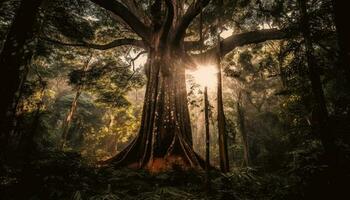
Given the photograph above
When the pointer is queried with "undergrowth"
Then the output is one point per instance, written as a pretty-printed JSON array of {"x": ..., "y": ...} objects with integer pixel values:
[{"x": 66, "y": 175}]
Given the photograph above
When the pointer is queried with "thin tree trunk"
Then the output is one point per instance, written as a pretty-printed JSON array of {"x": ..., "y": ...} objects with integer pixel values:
[
  {"x": 207, "y": 137},
  {"x": 13, "y": 58},
  {"x": 224, "y": 161},
  {"x": 231, "y": 142},
  {"x": 320, "y": 121},
  {"x": 242, "y": 130},
  {"x": 110, "y": 128},
  {"x": 68, "y": 120}
]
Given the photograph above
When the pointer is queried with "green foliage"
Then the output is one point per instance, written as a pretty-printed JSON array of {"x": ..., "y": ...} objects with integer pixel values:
[
  {"x": 269, "y": 81},
  {"x": 58, "y": 175}
]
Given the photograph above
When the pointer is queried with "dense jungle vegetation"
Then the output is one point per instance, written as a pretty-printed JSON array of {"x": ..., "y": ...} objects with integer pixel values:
[{"x": 174, "y": 99}]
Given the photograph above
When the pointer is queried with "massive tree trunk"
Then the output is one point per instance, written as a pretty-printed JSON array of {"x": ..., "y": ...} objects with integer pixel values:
[
  {"x": 165, "y": 139},
  {"x": 13, "y": 57}
]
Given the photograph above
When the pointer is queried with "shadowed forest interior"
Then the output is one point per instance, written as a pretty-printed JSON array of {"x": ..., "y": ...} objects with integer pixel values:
[{"x": 174, "y": 99}]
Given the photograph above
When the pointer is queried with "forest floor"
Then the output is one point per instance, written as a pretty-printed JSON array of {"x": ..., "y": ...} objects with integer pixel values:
[{"x": 59, "y": 175}]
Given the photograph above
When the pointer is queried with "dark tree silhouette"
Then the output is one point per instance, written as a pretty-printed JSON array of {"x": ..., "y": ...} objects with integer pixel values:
[{"x": 13, "y": 58}]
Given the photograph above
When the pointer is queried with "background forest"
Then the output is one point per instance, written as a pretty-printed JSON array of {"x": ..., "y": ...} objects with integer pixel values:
[{"x": 75, "y": 77}]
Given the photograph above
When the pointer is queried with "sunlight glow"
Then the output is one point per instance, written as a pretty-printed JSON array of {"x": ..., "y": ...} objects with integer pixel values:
[
  {"x": 226, "y": 33},
  {"x": 205, "y": 75}
]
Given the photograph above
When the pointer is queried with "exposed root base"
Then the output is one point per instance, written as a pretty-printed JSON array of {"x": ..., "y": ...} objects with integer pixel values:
[
  {"x": 170, "y": 163},
  {"x": 130, "y": 158}
]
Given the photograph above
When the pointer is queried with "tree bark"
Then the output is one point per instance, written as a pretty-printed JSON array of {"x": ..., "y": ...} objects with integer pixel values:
[
  {"x": 13, "y": 58},
  {"x": 165, "y": 138}
]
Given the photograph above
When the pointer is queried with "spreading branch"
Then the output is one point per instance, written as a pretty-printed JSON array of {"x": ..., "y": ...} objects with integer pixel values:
[
  {"x": 113, "y": 44},
  {"x": 193, "y": 45},
  {"x": 238, "y": 40},
  {"x": 132, "y": 60},
  {"x": 123, "y": 12},
  {"x": 132, "y": 63},
  {"x": 188, "y": 17}
]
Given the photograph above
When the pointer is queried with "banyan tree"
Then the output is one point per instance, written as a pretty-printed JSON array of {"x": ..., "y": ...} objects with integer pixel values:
[{"x": 165, "y": 137}]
